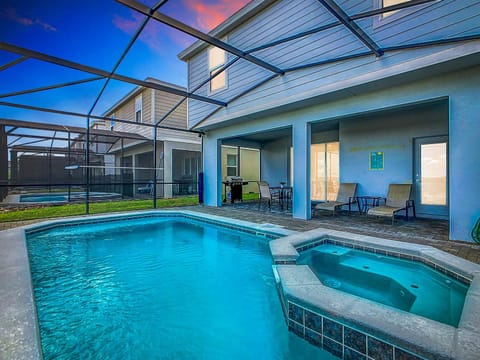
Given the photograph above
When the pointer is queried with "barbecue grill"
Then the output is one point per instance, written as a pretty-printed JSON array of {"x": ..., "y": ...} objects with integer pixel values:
[{"x": 235, "y": 183}]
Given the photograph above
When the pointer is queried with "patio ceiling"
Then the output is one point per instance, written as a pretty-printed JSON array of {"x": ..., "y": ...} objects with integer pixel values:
[{"x": 351, "y": 22}]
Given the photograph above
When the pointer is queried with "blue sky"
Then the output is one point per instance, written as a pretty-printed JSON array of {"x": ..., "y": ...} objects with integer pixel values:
[{"x": 95, "y": 33}]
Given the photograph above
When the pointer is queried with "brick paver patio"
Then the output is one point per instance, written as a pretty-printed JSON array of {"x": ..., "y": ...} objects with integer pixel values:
[{"x": 421, "y": 231}]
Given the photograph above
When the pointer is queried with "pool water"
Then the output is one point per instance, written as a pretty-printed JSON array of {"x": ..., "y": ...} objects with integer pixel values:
[
  {"x": 166, "y": 288},
  {"x": 43, "y": 198},
  {"x": 403, "y": 284},
  {"x": 63, "y": 196}
]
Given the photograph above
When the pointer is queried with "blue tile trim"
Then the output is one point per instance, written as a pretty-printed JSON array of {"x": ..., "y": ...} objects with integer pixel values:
[
  {"x": 67, "y": 223},
  {"x": 339, "y": 339}
]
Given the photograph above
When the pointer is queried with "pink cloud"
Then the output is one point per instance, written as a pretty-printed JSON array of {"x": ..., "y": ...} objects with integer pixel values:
[
  {"x": 11, "y": 14},
  {"x": 205, "y": 16},
  {"x": 150, "y": 35},
  {"x": 208, "y": 16},
  {"x": 153, "y": 32}
]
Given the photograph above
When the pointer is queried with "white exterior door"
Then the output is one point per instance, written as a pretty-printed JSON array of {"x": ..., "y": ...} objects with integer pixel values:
[{"x": 431, "y": 176}]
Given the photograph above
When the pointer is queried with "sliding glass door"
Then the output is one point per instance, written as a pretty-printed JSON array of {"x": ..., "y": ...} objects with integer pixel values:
[{"x": 324, "y": 171}]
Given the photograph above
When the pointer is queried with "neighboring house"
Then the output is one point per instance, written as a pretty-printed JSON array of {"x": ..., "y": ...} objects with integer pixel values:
[
  {"x": 340, "y": 112},
  {"x": 178, "y": 157}
]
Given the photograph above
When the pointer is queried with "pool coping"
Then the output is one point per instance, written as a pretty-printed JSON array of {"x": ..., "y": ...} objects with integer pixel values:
[
  {"x": 19, "y": 333},
  {"x": 300, "y": 289}
]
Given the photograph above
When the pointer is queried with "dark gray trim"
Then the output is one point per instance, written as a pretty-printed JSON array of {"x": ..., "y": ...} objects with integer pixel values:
[
  {"x": 85, "y": 68},
  {"x": 356, "y": 30},
  {"x": 238, "y": 96},
  {"x": 175, "y": 107},
  {"x": 50, "y": 87},
  {"x": 75, "y": 114},
  {"x": 199, "y": 35},
  {"x": 296, "y": 36},
  {"x": 124, "y": 53},
  {"x": 433, "y": 42},
  {"x": 328, "y": 61},
  {"x": 386, "y": 9},
  {"x": 13, "y": 63}
]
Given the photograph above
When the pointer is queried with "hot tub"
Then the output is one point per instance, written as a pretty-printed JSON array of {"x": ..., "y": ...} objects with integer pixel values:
[{"x": 364, "y": 297}]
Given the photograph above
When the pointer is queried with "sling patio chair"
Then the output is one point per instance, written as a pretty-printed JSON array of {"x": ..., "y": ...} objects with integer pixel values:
[
  {"x": 346, "y": 196},
  {"x": 398, "y": 199},
  {"x": 266, "y": 194}
]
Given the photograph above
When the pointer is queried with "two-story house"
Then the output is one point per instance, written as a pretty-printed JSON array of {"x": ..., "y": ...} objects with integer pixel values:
[
  {"x": 178, "y": 151},
  {"x": 343, "y": 91}
]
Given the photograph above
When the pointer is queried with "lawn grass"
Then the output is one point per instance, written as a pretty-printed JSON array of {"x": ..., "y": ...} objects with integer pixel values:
[{"x": 95, "y": 208}]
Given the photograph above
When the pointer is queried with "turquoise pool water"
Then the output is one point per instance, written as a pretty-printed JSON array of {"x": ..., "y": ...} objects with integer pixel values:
[
  {"x": 61, "y": 196},
  {"x": 43, "y": 198},
  {"x": 403, "y": 284},
  {"x": 158, "y": 288}
]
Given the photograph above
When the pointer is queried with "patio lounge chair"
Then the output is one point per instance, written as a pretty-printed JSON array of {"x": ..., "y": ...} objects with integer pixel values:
[
  {"x": 346, "y": 196},
  {"x": 266, "y": 194},
  {"x": 398, "y": 199},
  {"x": 146, "y": 189}
]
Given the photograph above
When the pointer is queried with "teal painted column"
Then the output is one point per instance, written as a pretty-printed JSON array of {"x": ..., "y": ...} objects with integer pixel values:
[
  {"x": 301, "y": 139},
  {"x": 464, "y": 162},
  {"x": 212, "y": 165}
]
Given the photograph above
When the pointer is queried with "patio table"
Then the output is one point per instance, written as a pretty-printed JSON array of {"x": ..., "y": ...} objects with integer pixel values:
[{"x": 284, "y": 193}]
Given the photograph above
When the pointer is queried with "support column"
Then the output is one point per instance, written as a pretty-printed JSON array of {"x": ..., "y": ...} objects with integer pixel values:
[
  {"x": 168, "y": 169},
  {"x": 212, "y": 162},
  {"x": 3, "y": 162},
  {"x": 301, "y": 139},
  {"x": 464, "y": 160},
  {"x": 154, "y": 192},
  {"x": 13, "y": 167}
]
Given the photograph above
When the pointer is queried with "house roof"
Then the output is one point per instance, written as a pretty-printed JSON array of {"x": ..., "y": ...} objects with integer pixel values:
[
  {"x": 80, "y": 131},
  {"x": 138, "y": 90}
]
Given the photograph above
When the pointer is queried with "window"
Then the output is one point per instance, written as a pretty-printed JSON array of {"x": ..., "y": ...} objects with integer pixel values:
[
  {"x": 324, "y": 171},
  {"x": 112, "y": 122},
  {"x": 231, "y": 165},
  {"x": 386, "y": 3},
  {"x": 190, "y": 166},
  {"x": 216, "y": 59},
  {"x": 138, "y": 109}
]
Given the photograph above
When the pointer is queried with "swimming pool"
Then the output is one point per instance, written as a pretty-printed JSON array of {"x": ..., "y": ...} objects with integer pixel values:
[
  {"x": 403, "y": 284},
  {"x": 61, "y": 196},
  {"x": 158, "y": 287}
]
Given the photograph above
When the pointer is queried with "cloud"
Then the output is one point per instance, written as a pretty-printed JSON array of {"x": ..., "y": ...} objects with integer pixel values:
[
  {"x": 12, "y": 15},
  {"x": 208, "y": 16},
  {"x": 203, "y": 15},
  {"x": 152, "y": 34},
  {"x": 128, "y": 26}
]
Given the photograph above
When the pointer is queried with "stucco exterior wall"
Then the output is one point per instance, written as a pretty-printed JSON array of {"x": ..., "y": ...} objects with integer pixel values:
[
  {"x": 392, "y": 134},
  {"x": 459, "y": 87}
]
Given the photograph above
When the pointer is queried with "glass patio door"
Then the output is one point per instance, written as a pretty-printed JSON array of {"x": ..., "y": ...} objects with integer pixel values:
[
  {"x": 325, "y": 171},
  {"x": 431, "y": 176}
]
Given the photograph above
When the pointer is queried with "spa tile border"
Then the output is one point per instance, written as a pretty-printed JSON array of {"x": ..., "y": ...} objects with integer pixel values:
[{"x": 339, "y": 339}]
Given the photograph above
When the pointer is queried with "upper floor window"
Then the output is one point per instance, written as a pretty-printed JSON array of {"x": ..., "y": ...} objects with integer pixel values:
[
  {"x": 112, "y": 122},
  {"x": 386, "y": 3},
  {"x": 216, "y": 60},
  {"x": 138, "y": 109}
]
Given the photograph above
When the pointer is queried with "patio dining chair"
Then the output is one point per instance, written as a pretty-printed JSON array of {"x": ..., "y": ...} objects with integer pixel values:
[
  {"x": 346, "y": 196},
  {"x": 398, "y": 199},
  {"x": 266, "y": 195}
]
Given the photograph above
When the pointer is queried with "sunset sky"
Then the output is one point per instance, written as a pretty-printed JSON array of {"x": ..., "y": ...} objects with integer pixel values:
[{"x": 95, "y": 33}]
